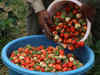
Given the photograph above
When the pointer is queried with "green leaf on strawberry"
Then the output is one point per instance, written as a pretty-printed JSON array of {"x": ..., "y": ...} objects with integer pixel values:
[
  {"x": 15, "y": 52},
  {"x": 63, "y": 15},
  {"x": 11, "y": 58}
]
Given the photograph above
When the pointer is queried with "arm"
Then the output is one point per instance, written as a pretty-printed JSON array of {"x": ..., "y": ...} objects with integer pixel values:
[
  {"x": 88, "y": 10},
  {"x": 43, "y": 16},
  {"x": 37, "y": 5}
]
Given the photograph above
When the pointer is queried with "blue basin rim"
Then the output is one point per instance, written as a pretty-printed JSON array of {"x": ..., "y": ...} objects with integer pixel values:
[{"x": 22, "y": 70}]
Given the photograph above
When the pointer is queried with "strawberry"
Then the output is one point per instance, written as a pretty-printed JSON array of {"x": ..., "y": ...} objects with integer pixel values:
[
  {"x": 61, "y": 34},
  {"x": 58, "y": 13},
  {"x": 74, "y": 42},
  {"x": 31, "y": 69},
  {"x": 12, "y": 55},
  {"x": 20, "y": 49},
  {"x": 42, "y": 69},
  {"x": 69, "y": 69},
  {"x": 61, "y": 52},
  {"x": 64, "y": 65},
  {"x": 71, "y": 48},
  {"x": 65, "y": 69},
  {"x": 70, "y": 64},
  {"x": 69, "y": 40},
  {"x": 26, "y": 50},
  {"x": 58, "y": 61},
  {"x": 66, "y": 35},
  {"x": 41, "y": 47},
  {"x": 44, "y": 52},
  {"x": 65, "y": 26},
  {"x": 75, "y": 11},
  {"x": 72, "y": 29},
  {"x": 74, "y": 67},
  {"x": 67, "y": 9},
  {"x": 58, "y": 67},
  {"x": 37, "y": 67},
  {"x": 81, "y": 43},
  {"x": 69, "y": 55},
  {"x": 54, "y": 32}
]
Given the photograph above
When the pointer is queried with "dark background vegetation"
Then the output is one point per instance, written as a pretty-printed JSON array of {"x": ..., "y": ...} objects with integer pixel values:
[{"x": 12, "y": 25}]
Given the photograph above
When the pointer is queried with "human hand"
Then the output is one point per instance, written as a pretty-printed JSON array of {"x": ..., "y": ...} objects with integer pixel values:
[
  {"x": 44, "y": 20},
  {"x": 88, "y": 11}
]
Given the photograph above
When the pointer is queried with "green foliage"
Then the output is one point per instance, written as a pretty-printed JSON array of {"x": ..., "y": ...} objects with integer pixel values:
[{"x": 12, "y": 20}]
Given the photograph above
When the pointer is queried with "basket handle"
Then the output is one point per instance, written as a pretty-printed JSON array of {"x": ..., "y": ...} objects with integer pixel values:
[{"x": 76, "y": 1}]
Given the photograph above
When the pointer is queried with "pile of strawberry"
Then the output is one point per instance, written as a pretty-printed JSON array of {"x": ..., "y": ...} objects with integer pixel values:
[
  {"x": 51, "y": 59},
  {"x": 69, "y": 26}
]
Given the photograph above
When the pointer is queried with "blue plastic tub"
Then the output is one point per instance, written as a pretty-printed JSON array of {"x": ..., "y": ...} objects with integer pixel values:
[{"x": 86, "y": 55}]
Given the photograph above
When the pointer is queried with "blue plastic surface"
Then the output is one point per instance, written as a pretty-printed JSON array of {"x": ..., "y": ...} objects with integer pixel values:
[{"x": 86, "y": 56}]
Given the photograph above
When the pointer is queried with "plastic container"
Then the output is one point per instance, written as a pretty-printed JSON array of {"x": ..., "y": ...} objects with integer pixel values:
[
  {"x": 85, "y": 54},
  {"x": 53, "y": 7}
]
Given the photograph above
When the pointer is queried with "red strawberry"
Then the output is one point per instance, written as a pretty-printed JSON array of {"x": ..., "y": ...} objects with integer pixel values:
[
  {"x": 58, "y": 17},
  {"x": 69, "y": 69},
  {"x": 58, "y": 67},
  {"x": 27, "y": 60},
  {"x": 75, "y": 11},
  {"x": 49, "y": 52},
  {"x": 60, "y": 25},
  {"x": 37, "y": 67},
  {"x": 74, "y": 67},
  {"x": 74, "y": 42},
  {"x": 69, "y": 40},
  {"x": 58, "y": 61},
  {"x": 42, "y": 69},
  {"x": 81, "y": 43},
  {"x": 66, "y": 35},
  {"x": 72, "y": 29},
  {"x": 24, "y": 64},
  {"x": 62, "y": 31},
  {"x": 43, "y": 52},
  {"x": 50, "y": 65},
  {"x": 77, "y": 46},
  {"x": 76, "y": 33},
  {"x": 67, "y": 9},
  {"x": 61, "y": 34},
  {"x": 20, "y": 49},
  {"x": 41, "y": 47},
  {"x": 58, "y": 13},
  {"x": 22, "y": 61},
  {"x": 61, "y": 52},
  {"x": 65, "y": 26},
  {"x": 55, "y": 32},
  {"x": 71, "y": 48},
  {"x": 70, "y": 64},
  {"x": 31, "y": 69},
  {"x": 64, "y": 65},
  {"x": 12, "y": 54},
  {"x": 39, "y": 56},
  {"x": 26, "y": 50},
  {"x": 30, "y": 51},
  {"x": 69, "y": 55},
  {"x": 65, "y": 69},
  {"x": 60, "y": 39},
  {"x": 32, "y": 64},
  {"x": 65, "y": 41}
]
